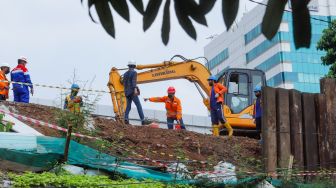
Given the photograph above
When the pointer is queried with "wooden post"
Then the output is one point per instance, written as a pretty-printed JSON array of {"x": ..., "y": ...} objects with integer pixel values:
[
  {"x": 290, "y": 167},
  {"x": 328, "y": 87},
  {"x": 283, "y": 128},
  {"x": 321, "y": 118},
  {"x": 295, "y": 110},
  {"x": 269, "y": 146},
  {"x": 310, "y": 130},
  {"x": 67, "y": 143}
]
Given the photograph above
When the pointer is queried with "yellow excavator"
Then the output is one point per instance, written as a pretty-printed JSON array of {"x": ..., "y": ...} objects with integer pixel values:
[{"x": 238, "y": 105}]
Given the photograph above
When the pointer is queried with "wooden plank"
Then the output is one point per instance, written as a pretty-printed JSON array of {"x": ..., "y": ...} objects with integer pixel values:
[
  {"x": 309, "y": 130},
  {"x": 328, "y": 87},
  {"x": 283, "y": 128},
  {"x": 321, "y": 118},
  {"x": 295, "y": 110},
  {"x": 269, "y": 146}
]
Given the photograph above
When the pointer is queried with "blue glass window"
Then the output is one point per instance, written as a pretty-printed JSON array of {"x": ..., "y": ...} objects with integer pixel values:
[
  {"x": 270, "y": 63},
  {"x": 251, "y": 35},
  {"x": 223, "y": 55},
  {"x": 261, "y": 48}
]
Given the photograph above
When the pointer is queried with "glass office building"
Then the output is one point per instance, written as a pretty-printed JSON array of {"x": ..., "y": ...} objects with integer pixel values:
[{"x": 244, "y": 46}]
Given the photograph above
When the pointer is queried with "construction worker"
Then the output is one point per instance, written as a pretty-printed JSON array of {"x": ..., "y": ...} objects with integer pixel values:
[
  {"x": 20, "y": 74},
  {"x": 216, "y": 107},
  {"x": 257, "y": 109},
  {"x": 132, "y": 92},
  {"x": 4, "y": 84},
  {"x": 73, "y": 102},
  {"x": 173, "y": 108}
]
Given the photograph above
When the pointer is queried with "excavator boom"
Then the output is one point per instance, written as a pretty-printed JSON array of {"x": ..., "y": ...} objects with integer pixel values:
[{"x": 193, "y": 71}]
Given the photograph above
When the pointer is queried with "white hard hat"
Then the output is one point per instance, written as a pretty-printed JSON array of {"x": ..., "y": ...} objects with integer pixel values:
[
  {"x": 22, "y": 58},
  {"x": 5, "y": 65},
  {"x": 131, "y": 62}
]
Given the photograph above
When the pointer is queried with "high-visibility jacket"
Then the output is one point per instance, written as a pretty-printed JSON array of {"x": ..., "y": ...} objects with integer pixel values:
[
  {"x": 73, "y": 104},
  {"x": 219, "y": 89},
  {"x": 173, "y": 107},
  {"x": 4, "y": 86}
]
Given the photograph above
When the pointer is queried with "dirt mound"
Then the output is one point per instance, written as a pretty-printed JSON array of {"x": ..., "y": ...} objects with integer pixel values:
[{"x": 154, "y": 143}]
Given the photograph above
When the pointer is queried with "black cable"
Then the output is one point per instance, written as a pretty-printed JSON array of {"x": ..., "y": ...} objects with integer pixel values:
[
  {"x": 260, "y": 3},
  {"x": 179, "y": 56}
]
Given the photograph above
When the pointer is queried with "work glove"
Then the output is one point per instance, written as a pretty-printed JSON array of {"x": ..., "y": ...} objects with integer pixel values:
[
  {"x": 78, "y": 99},
  {"x": 146, "y": 99},
  {"x": 178, "y": 122},
  {"x": 217, "y": 95},
  {"x": 32, "y": 91}
]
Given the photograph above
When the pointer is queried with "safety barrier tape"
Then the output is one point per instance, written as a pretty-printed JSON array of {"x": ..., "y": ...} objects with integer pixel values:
[
  {"x": 41, "y": 123},
  {"x": 101, "y": 91},
  {"x": 143, "y": 157},
  {"x": 56, "y": 87},
  {"x": 178, "y": 157},
  {"x": 311, "y": 173}
]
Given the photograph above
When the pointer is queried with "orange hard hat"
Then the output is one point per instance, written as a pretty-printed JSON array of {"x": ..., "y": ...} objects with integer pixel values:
[{"x": 171, "y": 90}]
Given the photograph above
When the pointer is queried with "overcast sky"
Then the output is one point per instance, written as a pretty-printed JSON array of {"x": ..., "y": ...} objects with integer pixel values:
[{"x": 58, "y": 37}]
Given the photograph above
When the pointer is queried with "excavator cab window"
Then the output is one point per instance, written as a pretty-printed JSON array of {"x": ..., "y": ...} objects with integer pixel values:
[{"x": 238, "y": 92}]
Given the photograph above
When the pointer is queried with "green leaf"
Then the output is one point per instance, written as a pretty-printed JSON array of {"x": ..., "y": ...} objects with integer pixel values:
[
  {"x": 138, "y": 5},
  {"x": 301, "y": 23},
  {"x": 90, "y": 3},
  {"x": 192, "y": 9},
  {"x": 122, "y": 8},
  {"x": 105, "y": 16},
  {"x": 165, "y": 29},
  {"x": 206, "y": 5},
  {"x": 230, "y": 10},
  {"x": 151, "y": 12},
  {"x": 184, "y": 20},
  {"x": 273, "y": 17}
]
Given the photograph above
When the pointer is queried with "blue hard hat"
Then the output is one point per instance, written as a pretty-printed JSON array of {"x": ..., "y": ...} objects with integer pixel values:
[
  {"x": 74, "y": 86},
  {"x": 212, "y": 78},
  {"x": 257, "y": 88}
]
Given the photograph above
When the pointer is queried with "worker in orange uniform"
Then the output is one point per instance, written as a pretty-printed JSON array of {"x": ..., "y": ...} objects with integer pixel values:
[
  {"x": 216, "y": 107},
  {"x": 173, "y": 108},
  {"x": 4, "y": 84}
]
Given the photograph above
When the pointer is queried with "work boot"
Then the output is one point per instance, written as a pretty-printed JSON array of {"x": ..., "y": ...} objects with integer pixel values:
[
  {"x": 229, "y": 128},
  {"x": 146, "y": 122},
  {"x": 215, "y": 130}
]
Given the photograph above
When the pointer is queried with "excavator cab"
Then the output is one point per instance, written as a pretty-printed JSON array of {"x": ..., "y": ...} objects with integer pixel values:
[{"x": 240, "y": 96}]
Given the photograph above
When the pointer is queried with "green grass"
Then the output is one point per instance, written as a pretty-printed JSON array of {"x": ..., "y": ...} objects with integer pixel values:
[{"x": 45, "y": 179}]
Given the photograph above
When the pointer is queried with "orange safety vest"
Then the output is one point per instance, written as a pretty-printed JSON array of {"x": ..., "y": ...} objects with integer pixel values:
[
  {"x": 173, "y": 107},
  {"x": 3, "y": 85},
  {"x": 72, "y": 105},
  {"x": 220, "y": 89}
]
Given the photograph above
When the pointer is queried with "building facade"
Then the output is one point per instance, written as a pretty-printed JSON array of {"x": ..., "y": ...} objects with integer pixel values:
[{"x": 244, "y": 46}]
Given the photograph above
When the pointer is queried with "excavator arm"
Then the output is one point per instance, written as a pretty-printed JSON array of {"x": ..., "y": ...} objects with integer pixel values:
[{"x": 168, "y": 70}]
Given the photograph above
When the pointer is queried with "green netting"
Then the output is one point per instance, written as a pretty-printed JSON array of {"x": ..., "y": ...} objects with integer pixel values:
[
  {"x": 85, "y": 156},
  {"x": 49, "y": 150}
]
